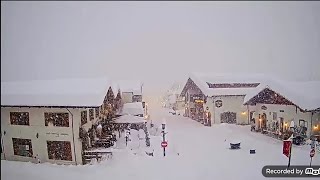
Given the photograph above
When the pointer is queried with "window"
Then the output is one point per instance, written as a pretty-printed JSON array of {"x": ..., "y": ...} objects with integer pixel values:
[
  {"x": 97, "y": 111},
  {"x": 228, "y": 117},
  {"x": 302, "y": 123},
  {"x": 59, "y": 150},
  {"x": 22, "y": 147},
  {"x": 84, "y": 117},
  {"x": 274, "y": 114},
  {"x": 91, "y": 114},
  {"x": 1, "y": 144},
  {"x": 56, "y": 119},
  {"x": 19, "y": 118}
]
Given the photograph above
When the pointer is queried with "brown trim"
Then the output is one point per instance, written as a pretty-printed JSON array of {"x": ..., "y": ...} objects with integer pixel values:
[
  {"x": 232, "y": 85},
  {"x": 226, "y": 95}
]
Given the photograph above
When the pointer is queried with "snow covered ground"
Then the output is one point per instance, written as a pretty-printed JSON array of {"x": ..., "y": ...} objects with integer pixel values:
[{"x": 194, "y": 152}]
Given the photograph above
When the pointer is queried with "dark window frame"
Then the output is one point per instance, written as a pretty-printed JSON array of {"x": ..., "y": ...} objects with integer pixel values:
[
  {"x": 274, "y": 115},
  {"x": 59, "y": 119},
  {"x": 59, "y": 150},
  {"x": 19, "y": 149},
  {"x": 20, "y": 118},
  {"x": 84, "y": 117},
  {"x": 91, "y": 114},
  {"x": 97, "y": 112}
]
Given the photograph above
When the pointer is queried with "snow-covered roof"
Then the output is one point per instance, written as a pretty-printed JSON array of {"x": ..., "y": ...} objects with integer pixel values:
[
  {"x": 130, "y": 86},
  {"x": 134, "y": 108},
  {"x": 129, "y": 119},
  {"x": 201, "y": 80},
  {"x": 303, "y": 94},
  {"x": 62, "y": 92}
]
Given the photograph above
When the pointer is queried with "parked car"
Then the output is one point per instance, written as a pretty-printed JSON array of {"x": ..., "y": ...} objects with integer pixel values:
[{"x": 173, "y": 112}]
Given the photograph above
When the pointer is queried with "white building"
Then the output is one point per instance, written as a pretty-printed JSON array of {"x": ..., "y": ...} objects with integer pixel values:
[
  {"x": 131, "y": 91},
  {"x": 43, "y": 118},
  {"x": 219, "y": 96},
  {"x": 239, "y": 98},
  {"x": 275, "y": 104}
]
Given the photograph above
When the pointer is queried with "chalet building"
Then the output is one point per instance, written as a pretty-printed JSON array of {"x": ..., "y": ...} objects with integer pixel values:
[
  {"x": 131, "y": 91},
  {"x": 273, "y": 106},
  {"x": 44, "y": 119},
  {"x": 218, "y": 98}
]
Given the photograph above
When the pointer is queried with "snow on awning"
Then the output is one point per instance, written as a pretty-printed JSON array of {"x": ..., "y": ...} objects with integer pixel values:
[
  {"x": 129, "y": 119},
  {"x": 62, "y": 92},
  {"x": 134, "y": 108}
]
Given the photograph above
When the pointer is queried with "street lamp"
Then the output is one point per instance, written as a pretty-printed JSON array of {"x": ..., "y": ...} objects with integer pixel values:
[{"x": 163, "y": 136}]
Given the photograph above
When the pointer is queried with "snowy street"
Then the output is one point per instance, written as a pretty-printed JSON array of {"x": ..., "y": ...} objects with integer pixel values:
[{"x": 194, "y": 152}]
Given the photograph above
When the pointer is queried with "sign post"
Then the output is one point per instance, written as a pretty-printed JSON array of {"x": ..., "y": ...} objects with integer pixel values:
[
  {"x": 164, "y": 144},
  {"x": 312, "y": 152}
]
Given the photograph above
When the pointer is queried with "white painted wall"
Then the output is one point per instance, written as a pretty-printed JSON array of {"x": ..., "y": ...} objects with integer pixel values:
[
  {"x": 37, "y": 125},
  {"x": 290, "y": 113},
  {"x": 229, "y": 103}
]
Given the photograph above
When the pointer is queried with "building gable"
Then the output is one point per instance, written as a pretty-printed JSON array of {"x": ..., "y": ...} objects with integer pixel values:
[
  {"x": 268, "y": 96},
  {"x": 190, "y": 85}
]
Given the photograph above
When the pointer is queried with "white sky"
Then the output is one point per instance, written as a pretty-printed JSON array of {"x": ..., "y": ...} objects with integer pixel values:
[{"x": 158, "y": 42}]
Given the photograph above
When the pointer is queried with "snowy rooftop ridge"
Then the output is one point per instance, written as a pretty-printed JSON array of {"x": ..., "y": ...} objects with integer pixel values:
[
  {"x": 201, "y": 80},
  {"x": 87, "y": 92},
  {"x": 303, "y": 94}
]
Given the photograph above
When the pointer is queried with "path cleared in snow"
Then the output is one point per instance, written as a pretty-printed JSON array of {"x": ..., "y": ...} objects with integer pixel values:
[{"x": 203, "y": 154}]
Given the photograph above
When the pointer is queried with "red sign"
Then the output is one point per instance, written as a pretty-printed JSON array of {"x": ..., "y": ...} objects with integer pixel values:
[
  {"x": 286, "y": 148},
  {"x": 164, "y": 144},
  {"x": 312, "y": 152}
]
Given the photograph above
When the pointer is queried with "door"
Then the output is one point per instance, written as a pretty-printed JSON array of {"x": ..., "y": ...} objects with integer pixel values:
[{"x": 228, "y": 117}]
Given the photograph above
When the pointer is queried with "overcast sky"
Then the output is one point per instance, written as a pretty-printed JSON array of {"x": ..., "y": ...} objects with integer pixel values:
[{"x": 158, "y": 42}]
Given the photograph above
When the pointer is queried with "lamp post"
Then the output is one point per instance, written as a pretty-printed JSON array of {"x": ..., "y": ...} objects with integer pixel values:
[{"x": 163, "y": 136}]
